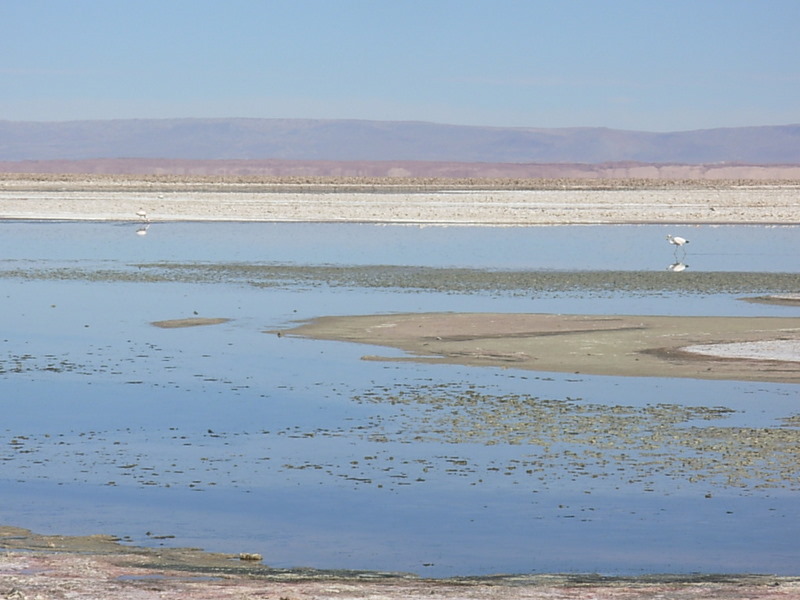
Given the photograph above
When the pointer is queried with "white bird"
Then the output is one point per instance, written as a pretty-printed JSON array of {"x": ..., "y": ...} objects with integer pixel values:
[
  {"x": 142, "y": 214},
  {"x": 677, "y": 241}
]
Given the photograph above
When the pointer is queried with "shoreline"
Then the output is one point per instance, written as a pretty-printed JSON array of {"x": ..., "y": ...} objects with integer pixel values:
[
  {"x": 414, "y": 202},
  {"x": 98, "y": 566}
]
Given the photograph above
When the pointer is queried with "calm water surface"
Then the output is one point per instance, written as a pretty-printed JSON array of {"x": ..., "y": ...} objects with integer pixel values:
[{"x": 234, "y": 440}]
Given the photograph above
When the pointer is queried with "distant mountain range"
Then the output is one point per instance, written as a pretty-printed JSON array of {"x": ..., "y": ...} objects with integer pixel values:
[{"x": 353, "y": 140}]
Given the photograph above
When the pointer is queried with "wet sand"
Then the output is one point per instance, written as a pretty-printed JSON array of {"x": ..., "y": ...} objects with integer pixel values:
[
  {"x": 190, "y": 322},
  {"x": 741, "y": 348},
  {"x": 54, "y": 566}
]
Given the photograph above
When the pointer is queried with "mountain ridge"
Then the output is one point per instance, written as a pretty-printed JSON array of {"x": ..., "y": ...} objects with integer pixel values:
[{"x": 246, "y": 138}]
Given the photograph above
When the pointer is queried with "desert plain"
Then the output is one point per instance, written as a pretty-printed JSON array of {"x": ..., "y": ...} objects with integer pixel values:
[{"x": 33, "y": 566}]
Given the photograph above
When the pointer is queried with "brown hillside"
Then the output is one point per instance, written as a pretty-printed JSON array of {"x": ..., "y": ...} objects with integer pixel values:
[{"x": 405, "y": 169}]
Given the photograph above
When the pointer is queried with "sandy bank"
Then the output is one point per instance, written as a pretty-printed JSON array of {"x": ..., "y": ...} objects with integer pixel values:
[
  {"x": 189, "y": 322},
  {"x": 639, "y": 346}
]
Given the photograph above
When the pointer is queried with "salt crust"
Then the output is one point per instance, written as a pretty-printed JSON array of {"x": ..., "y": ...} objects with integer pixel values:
[{"x": 783, "y": 350}]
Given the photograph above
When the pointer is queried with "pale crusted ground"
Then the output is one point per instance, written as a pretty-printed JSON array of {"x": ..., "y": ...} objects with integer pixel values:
[
  {"x": 783, "y": 350},
  {"x": 443, "y": 202},
  {"x": 29, "y": 576}
]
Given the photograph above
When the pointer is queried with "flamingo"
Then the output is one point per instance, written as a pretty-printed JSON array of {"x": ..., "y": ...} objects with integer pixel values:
[
  {"x": 142, "y": 214},
  {"x": 677, "y": 241}
]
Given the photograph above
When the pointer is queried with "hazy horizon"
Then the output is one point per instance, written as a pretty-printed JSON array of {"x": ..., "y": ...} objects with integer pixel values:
[{"x": 409, "y": 121}]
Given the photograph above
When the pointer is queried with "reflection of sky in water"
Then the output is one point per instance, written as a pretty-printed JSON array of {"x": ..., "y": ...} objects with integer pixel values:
[
  {"x": 235, "y": 440},
  {"x": 631, "y": 247}
]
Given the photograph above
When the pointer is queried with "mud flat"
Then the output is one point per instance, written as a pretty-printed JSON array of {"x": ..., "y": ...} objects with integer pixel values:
[
  {"x": 434, "y": 201},
  {"x": 190, "y": 322},
  {"x": 739, "y": 348}
]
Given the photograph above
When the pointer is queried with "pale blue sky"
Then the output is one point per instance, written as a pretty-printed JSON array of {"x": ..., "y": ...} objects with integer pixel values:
[{"x": 629, "y": 64}]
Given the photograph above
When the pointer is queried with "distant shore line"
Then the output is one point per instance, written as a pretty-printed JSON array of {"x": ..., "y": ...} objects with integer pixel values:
[
  {"x": 398, "y": 201},
  {"x": 33, "y": 179}
]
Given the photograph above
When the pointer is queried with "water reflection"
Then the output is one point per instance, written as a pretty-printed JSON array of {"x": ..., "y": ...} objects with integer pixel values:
[{"x": 677, "y": 267}]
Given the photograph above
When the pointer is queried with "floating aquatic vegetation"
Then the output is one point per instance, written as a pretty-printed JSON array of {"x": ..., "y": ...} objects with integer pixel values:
[
  {"x": 433, "y": 434},
  {"x": 414, "y": 278},
  {"x": 642, "y": 443}
]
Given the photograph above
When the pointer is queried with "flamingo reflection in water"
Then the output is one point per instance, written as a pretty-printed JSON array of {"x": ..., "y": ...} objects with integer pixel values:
[{"x": 142, "y": 214}]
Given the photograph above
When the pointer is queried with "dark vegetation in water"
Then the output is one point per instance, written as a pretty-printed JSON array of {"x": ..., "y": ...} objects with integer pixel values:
[
  {"x": 652, "y": 448},
  {"x": 434, "y": 279}
]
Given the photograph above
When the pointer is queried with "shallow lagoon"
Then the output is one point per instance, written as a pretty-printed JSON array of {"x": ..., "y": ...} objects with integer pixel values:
[{"x": 234, "y": 440}]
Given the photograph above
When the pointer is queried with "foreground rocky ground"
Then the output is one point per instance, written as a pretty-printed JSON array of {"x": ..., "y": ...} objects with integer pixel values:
[{"x": 96, "y": 567}]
